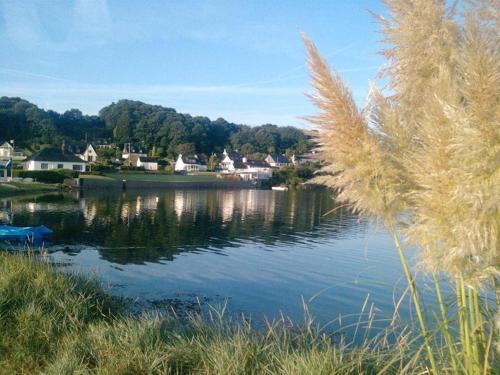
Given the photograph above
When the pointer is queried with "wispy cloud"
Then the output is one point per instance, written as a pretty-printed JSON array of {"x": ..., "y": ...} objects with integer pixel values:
[
  {"x": 56, "y": 84},
  {"x": 92, "y": 17},
  {"x": 270, "y": 103},
  {"x": 81, "y": 24},
  {"x": 21, "y": 22},
  {"x": 21, "y": 73},
  {"x": 75, "y": 47},
  {"x": 86, "y": 22},
  {"x": 230, "y": 102}
]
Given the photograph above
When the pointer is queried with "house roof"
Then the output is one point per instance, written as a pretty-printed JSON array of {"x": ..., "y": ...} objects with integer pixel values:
[
  {"x": 55, "y": 154},
  {"x": 239, "y": 164},
  {"x": 233, "y": 155},
  {"x": 257, "y": 163},
  {"x": 6, "y": 145},
  {"x": 192, "y": 159},
  {"x": 145, "y": 159},
  {"x": 133, "y": 150},
  {"x": 251, "y": 164},
  {"x": 102, "y": 142},
  {"x": 4, "y": 164},
  {"x": 282, "y": 159}
]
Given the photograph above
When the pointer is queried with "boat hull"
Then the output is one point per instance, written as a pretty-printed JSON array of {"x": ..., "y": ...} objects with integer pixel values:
[{"x": 8, "y": 232}]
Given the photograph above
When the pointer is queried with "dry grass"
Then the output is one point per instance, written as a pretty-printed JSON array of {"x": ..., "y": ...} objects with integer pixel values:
[{"x": 424, "y": 155}]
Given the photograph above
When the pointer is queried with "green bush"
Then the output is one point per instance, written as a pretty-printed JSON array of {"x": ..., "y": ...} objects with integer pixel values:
[
  {"x": 55, "y": 176},
  {"x": 16, "y": 171},
  {"x": 290, "y": 176},
  {"x": 102, "y": 167}
]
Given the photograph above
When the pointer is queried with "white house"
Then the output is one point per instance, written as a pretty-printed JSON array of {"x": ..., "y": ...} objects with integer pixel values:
[
  {"x": 89, "y": 155},
  {"x": 7, "y": 152},
  {"x": 130, "y": 151},
  {"x": 149, "y": 164},
  {"x": 228, "y": 159},
  {"x": 53, "y": 158},
  {"x": 277, "y": 161},
  {"x": 253, "y": 170},
  {"x": 312, "y": 157},
  {"x": 189, "y": 163}
]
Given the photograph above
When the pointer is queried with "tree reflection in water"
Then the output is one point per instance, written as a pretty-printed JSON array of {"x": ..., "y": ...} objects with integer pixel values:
[{"x": 138, "y": 227}]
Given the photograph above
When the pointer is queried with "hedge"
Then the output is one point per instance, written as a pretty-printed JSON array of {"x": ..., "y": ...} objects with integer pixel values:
[
  {"x": 102, "y": 168},
  {"x": 131, "y": 168},
  {"x": 55, "y": 176}
]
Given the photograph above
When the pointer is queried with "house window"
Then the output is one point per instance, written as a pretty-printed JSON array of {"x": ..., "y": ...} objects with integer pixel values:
[
  {"x": 44, "y": 166},
  {"x": 77, "y": 167},
  {"x": 60, "y": 166},
  {"x": 90, "y": 158}
]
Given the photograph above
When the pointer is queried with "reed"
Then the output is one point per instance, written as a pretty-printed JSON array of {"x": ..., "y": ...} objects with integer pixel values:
[{"x": 422, "y": 157}]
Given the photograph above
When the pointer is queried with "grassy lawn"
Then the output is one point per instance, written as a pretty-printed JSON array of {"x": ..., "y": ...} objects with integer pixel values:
[
  {"x": 94, "y": 177},
  {"x": 135, "y": 176},
  {"x": 8, "y": 189}
]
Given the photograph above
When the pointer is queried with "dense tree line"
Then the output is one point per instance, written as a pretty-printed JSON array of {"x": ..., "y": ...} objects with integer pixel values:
[
  {"x": 163, "y": 131},
  {"x": 31, "y": 126}
]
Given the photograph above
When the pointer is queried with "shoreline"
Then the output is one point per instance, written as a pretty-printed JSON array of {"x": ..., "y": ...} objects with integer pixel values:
[{"x": 14, "y": 189}]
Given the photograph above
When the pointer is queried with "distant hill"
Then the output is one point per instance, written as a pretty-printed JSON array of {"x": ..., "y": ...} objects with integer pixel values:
[{"x": 162, "y": 130}]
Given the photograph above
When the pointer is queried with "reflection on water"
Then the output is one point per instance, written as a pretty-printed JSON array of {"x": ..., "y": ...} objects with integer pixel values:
[
  {"x": 263, "y": 251},
  {"x": 172, "y": 222}
]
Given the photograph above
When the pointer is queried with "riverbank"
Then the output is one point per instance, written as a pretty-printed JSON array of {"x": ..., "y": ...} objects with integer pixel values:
[
  {"x": 58, "y": 323},
  {"x": 10, "y": 189}
]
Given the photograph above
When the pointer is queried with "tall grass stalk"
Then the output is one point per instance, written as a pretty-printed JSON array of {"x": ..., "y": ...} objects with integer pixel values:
[
  {"x": 415, "y": 297},
  {"x": 446, "y": 326},
  {"x": 475, "y": 326}
]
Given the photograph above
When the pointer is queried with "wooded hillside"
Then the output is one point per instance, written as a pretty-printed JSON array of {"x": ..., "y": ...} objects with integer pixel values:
[{"x": 162, "y": 130}]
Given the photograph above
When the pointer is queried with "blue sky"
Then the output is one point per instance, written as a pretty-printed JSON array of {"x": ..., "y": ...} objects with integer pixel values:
[{"x": 241, "y": 60}]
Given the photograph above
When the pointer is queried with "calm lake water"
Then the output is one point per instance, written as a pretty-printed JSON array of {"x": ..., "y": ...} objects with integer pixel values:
[{"x": 261, "y": 252}]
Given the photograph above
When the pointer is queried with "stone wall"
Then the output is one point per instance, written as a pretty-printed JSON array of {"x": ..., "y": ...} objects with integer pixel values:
[{"x": 97, "y": 184}]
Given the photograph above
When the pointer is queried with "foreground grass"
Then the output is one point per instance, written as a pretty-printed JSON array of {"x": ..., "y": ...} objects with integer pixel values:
[
  {"x": 63, "y": 324},
  {"x": 9, "y": 189},
  {"x": 55, "y": 323}
]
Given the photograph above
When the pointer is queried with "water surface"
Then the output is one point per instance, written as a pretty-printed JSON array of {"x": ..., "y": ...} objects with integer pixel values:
[{"x": 261, "y": 252}]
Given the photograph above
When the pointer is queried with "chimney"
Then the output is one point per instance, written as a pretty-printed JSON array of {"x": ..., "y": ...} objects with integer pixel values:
[
  {"x": 244, "y": 159},
  {"x": 63, "y": 146}
]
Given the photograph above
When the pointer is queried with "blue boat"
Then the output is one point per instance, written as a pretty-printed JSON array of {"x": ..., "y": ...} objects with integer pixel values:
[{"x": 8, "y": 232}]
